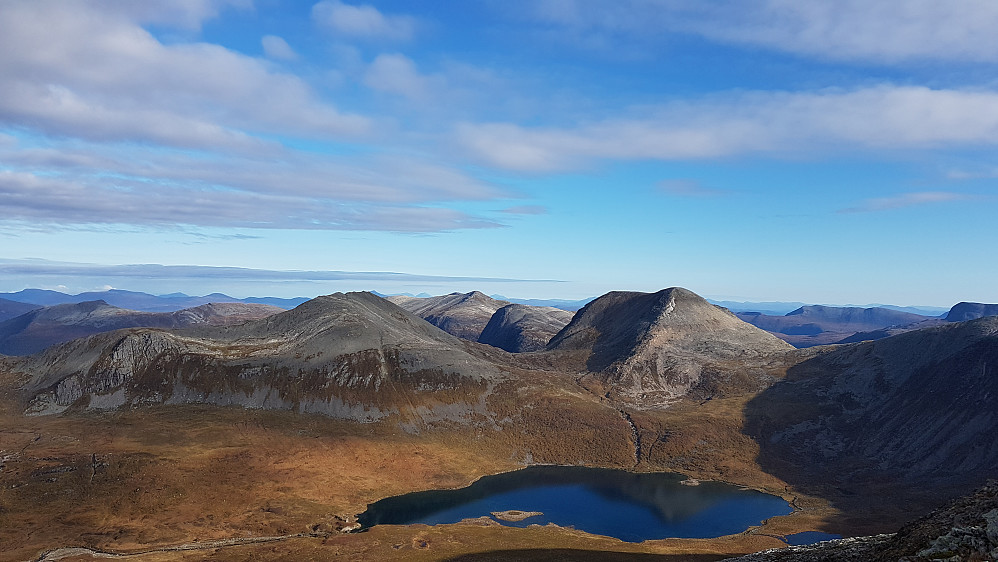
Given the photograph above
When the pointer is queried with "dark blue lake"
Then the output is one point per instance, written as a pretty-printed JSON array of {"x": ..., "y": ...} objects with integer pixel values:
[{"x": 616, "y": 503}]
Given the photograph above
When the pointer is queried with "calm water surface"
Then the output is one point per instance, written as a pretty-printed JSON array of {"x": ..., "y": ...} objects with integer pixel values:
[{"x": 629, "y": 506}]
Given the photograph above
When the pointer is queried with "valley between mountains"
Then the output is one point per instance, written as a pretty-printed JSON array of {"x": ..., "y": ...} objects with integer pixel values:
[{"x": 245, "y": 432}]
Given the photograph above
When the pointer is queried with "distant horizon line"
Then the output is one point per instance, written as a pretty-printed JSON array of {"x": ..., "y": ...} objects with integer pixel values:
[{"x": 498, "y": 296}]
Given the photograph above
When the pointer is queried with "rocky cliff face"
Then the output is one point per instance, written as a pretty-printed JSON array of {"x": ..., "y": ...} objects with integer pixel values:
[
  {"x": 519, "y": 328},
  {"x": 920, "y": 407},
  {"x": 351, "y": 356},
  {"x": 651, "y": 348},
  {"x": 41, "y": 328},
  {"x": 464, "y": 315}
]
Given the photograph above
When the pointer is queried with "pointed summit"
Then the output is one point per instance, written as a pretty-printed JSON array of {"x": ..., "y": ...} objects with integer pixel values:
[
  {"x": 651, "y": 348},
  {"x": 464, "y": 315}
]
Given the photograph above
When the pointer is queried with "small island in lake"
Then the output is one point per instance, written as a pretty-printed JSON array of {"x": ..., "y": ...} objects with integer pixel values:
[{"x": 515, "y": 515}]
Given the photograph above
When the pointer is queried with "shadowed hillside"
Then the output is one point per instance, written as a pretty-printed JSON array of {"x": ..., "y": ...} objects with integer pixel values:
[
  {"x": 518, "y": 328},
  {"x": 964, "y": 311},
  {"x": 963, "y": 529},
  {"x": 916, "y": 413},
  {"x": 11, "y": 309}
]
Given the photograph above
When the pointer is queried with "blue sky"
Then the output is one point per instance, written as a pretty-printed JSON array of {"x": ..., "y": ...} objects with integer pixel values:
[{"x": 798, "y": 150}]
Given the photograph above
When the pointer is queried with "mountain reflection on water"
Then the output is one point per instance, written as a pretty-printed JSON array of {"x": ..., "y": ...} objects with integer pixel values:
[{"x": 629, "y": 506}]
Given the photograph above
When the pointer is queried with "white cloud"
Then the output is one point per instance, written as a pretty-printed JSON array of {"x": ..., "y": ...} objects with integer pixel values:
[
  {"x": 86, "y": 70},
  {"x": 904, "y": 200},
  {"x": 397, "y": 74},
  {"x": 886, "y": 117},
  {"x": 184, "y": 13},
  {"x": 60, "y": 111},
  {"x": 877, "y": 30},
  {"x": 865, "y": 29},
  {"x": 48, "y": 268},
  {"x": 363, "y": 21},
  {"x": 277, "y": 48},
  {"x": 108, "y": 184},
  {"x": 31, "y": 198}
]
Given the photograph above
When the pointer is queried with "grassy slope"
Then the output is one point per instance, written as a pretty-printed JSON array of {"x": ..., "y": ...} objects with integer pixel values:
[{"x": 154, "y": 477}]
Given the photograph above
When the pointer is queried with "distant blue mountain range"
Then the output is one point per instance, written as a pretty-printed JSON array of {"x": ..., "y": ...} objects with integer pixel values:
[{"x": 134, "y": 300}]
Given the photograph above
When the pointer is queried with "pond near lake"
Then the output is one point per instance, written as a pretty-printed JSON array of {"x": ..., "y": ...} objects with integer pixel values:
[{"x": 629, "y": 506}]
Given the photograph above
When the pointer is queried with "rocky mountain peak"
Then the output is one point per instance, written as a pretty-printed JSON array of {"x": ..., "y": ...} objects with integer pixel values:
[
  {"x": 464, "y": 315},
  {"x": 660, "y": 344}
]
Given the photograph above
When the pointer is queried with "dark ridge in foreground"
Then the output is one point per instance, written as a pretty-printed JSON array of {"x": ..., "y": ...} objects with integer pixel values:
[
  {"x": 965, "y": 529},
  {"x": 917, "y": 411}
]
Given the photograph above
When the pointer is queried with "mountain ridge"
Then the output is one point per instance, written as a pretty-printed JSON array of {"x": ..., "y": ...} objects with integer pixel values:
[
  {"x": 42, "y": 327},
  {"x": 352, "y": 356}
]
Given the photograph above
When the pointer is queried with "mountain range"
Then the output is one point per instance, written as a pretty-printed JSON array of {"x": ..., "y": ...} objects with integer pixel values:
[
  {"x": 42, "y": 327},
  {"x": 134, "y": 300},
  {"x": 860, "y": 436},
  {"x": 819, "y": 325}
]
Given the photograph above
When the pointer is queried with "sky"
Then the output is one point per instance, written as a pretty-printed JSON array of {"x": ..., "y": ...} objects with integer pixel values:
[{"x": 757, "y": 150}]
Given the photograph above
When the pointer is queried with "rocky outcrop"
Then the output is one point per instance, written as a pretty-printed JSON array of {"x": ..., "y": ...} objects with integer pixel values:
[
  {"x": 353, "y": 356},
  {"x": 464, "y": 315},
  {"x": 651, "y": 348},
  {"x": 961, "y": 312},
  {"x": 41, "y": 328},
  {"x": 519, "y": 328}
]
